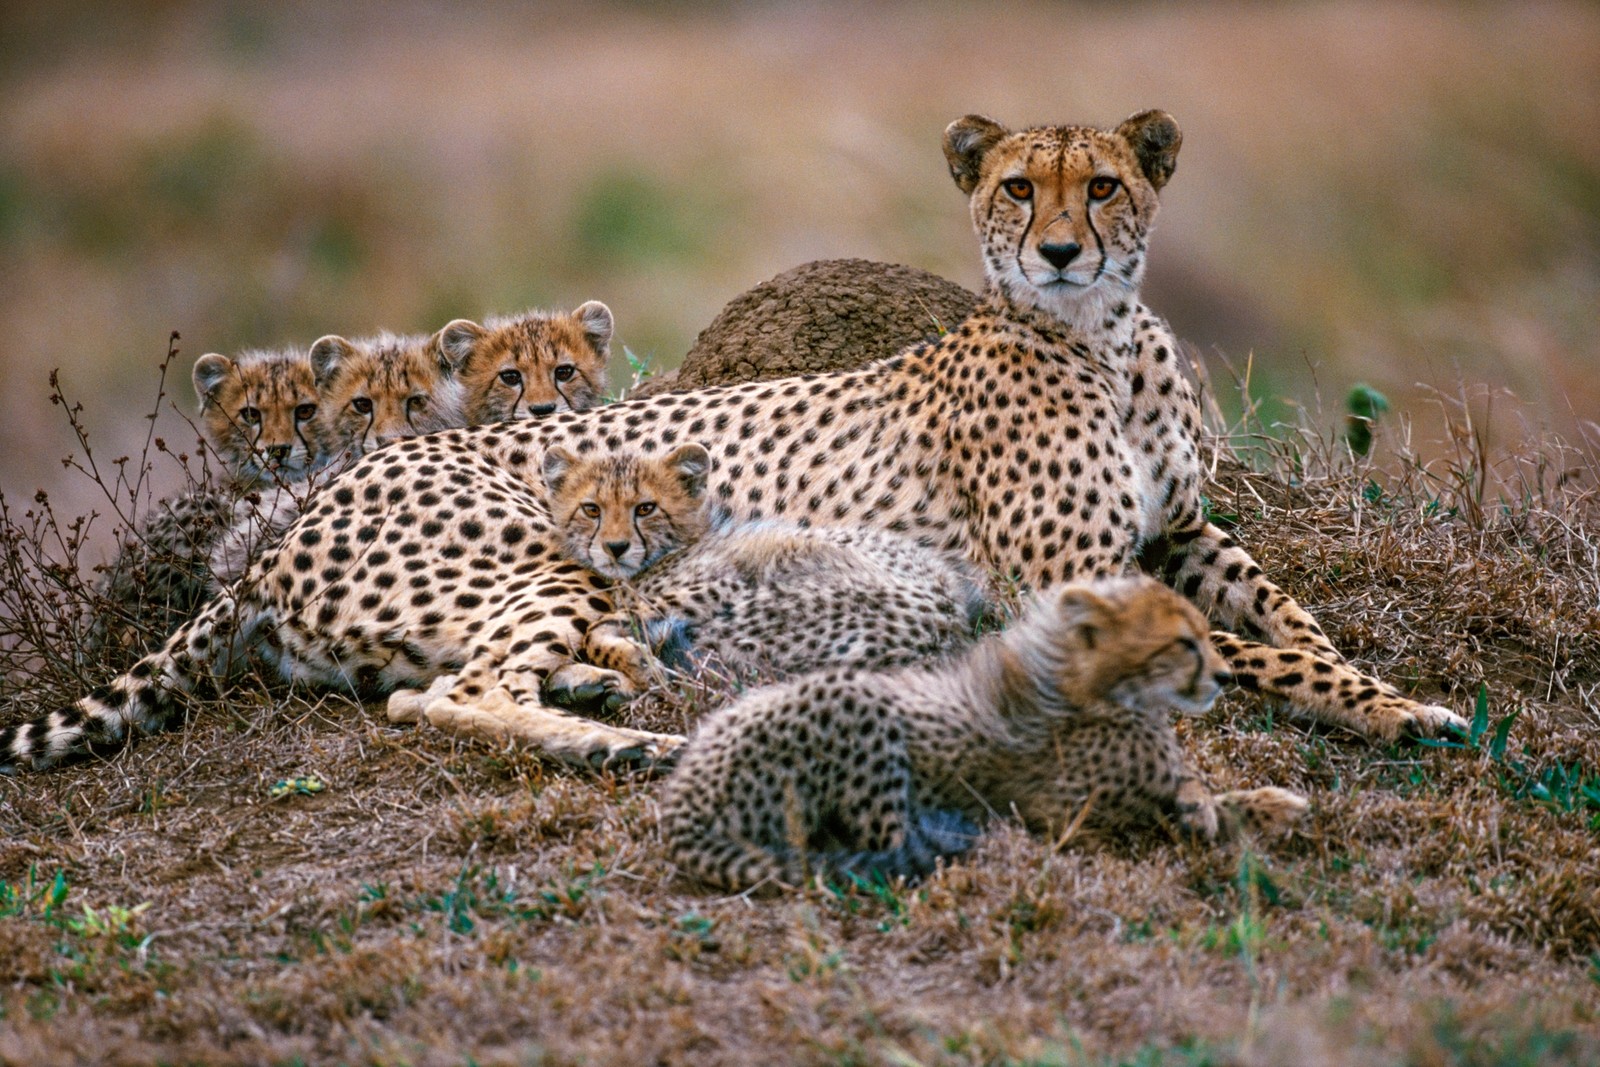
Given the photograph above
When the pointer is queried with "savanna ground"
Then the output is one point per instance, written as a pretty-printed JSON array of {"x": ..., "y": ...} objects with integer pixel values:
[
  {"x": 252, "y": 176},
  {"x": 403, "y": 898}
]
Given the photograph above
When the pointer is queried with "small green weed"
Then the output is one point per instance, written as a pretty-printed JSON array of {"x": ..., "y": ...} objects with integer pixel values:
[{"x": 1568, "y": 788}]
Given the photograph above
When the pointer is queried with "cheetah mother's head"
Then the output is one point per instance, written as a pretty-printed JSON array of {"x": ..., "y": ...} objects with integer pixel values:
[{"x": 1064, "y": 212}]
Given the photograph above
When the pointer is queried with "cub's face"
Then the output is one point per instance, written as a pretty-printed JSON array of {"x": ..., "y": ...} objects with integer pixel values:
[
  {"x": 258, "y": 411},
  {"x": 1137, "y": 643},
  {"x": 617, "y": 514},
  {"x": 1064, "y": 212},
  {"x": 381, "y": 389},
  {"x": 531, "y": 365}
]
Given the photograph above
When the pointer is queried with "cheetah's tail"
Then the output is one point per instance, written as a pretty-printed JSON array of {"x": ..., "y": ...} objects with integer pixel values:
[{"x": 143, "y": 700}]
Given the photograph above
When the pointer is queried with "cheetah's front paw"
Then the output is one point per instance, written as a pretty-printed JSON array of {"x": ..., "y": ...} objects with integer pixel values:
[
  {"x": 1266, "y": 812},
  {"x": 1397, "y": 718},
  {"x": 409, "y": 705},
  {"x": 1197, "y": 810},
  {"x": 582, "y": 685}
]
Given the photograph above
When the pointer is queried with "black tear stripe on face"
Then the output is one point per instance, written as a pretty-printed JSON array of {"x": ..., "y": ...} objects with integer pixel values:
[
  {"x": 1088, "y": 218},
  {"x": 1022, "y": 241},
  {"x": 1195, "y": 680},
  {"x": 522, "y": 391},
  {"x": 644, "y": 541}
]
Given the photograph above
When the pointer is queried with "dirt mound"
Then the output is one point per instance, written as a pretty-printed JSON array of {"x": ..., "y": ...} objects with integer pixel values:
[{"x": 829, "y": 314}]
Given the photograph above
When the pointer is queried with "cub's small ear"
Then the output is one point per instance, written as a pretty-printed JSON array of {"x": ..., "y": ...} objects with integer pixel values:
[
  {"x": 598, "y": 324},
  {"x": 210, "y": 371},
  {"x": 1085, "y": 611},
  {"x": 326, "y": 356},
  {"x": 692, "y": 463},
  {"x": 557, "y": 464},
  {"x": 966, "y": 142},
  {"x": 1155, "y": 139},
  {"x": 459, "y": 341}
]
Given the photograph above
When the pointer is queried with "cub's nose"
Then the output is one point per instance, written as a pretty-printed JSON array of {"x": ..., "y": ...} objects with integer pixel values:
[
  {"x": 617, "y": 548},
  {"x": 278, "y": 453},
  {"x": 1058, "y": 256},
  {"x": 1222, "y": 677},
  {"x": 536, "y": 410}
]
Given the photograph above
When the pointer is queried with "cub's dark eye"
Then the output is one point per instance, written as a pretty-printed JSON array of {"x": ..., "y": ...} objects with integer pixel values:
[
  {"x": 417, "y": 403},
  {"x": 644, "y": 509},
  {"x": 362, "y": 404},
  {"x": 1102, "y": 187},
  {"x": 565, "y": 372},
  {"x": 304, "y": 412},
  {"x": 512, "y": 378},
  {"x": 592, "y": 510},
  {"x": 1019, "y": 188},
  {"x": 250, "y": 416}
]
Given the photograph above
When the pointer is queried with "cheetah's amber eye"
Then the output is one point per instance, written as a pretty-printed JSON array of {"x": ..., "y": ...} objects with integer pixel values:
[
  {"x": 565, "y": 372},
  {"x": 1102, "y": 187},
  {"x": 363, "y": 405},
  {"x": 592, "y": 510},
  {"x": 512, "y": 378},
  {"x": 250, "y": 416},
  {"x": 304, "y": 412},
  {"x": 1019, "y": 188},
  {"x": 417, "y": 403},
  {"x": 644, "y": 509}
]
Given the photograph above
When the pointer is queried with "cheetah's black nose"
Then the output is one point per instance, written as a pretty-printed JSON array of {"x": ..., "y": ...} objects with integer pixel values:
[
  {"x": 537, "y": 410},
  {"x": 278, "y": 453},
  {"x": 1058, "y": 256},
  {"x": 1222, "y": 677},
  {"x": 617, "y": 548}
]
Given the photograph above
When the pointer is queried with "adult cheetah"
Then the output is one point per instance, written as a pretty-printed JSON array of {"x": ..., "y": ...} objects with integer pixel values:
[
  {"x": 1050, "y": 437},
  {"x": 1065, "y": 719}
]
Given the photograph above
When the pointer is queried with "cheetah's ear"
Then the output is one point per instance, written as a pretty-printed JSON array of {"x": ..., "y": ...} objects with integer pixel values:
[
  {"x": 557, "y": 464},
  {"x": 1155, "y": 139},
  {"x": 326, "y": 356},
  {"x": 210, "y": 371},
  {"x": 459, "y": 341},
  {"x": 597, "y": 323},
  {"x": 1086, "y": 612},
  {"x": 966, "y": 142},
  {"x": 691, "y": 462}
]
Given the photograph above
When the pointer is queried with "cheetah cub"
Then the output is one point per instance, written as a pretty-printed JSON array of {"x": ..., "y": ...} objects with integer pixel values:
[
  {"x": 256, "y": 413},
  {"x": 528, "y": 365},
  {"x": 1065, "y": 713},
  {"x": 372, "y": 390},
  {"x": 753, "y": 596}
]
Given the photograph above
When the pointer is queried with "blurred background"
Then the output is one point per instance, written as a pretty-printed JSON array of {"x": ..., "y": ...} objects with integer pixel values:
[{"x": 1406, "y": 194}]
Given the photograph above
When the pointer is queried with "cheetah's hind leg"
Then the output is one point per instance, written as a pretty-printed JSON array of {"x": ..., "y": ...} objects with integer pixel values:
[
  {"x": 498, "y": 700},
  {"x": 498, "y": 718},
  {"x": 718, "y": 858},
  {"x": 931, "y": 836}
]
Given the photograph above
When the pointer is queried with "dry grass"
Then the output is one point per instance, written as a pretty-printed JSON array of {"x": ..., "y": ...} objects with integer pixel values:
[{"x": 445, "y": 903}]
